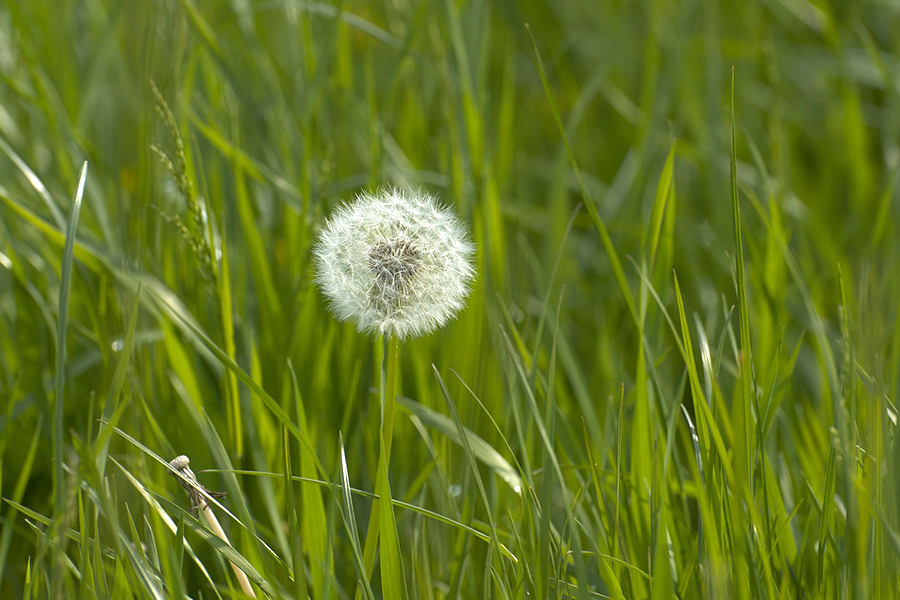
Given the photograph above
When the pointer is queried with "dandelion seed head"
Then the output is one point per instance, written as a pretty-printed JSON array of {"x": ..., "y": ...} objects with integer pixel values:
[{"x": 396, "y": 262}]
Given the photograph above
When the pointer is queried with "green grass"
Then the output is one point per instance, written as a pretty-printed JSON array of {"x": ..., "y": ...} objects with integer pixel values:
[{"x": 678, "y": 368}]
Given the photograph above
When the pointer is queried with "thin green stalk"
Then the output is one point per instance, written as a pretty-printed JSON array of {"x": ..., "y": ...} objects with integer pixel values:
[
  {"x": 388, "y": 395},
  {"x": 60, "y": 379},
  {"x": 62, "y": 323}
]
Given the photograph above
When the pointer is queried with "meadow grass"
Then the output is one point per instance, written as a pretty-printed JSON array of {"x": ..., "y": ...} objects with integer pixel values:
[{"x": 676, "y": 372}]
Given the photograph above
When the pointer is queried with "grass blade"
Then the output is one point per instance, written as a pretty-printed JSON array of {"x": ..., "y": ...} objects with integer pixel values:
[
  {"x": 293, "y": 527},
  {"x": 611, "y": 254},
  {"x": 393, "y": 581},
  {"x": 115, "y": 388},
  {"x": 313, "y": 521},
  {"x": 664, "y": 191},
  {"x": 62, "y": 325},
  {"x": 480, "y": 448},
  {"x": 745, "y": 358},
  {"x": 350, "y": 523}
]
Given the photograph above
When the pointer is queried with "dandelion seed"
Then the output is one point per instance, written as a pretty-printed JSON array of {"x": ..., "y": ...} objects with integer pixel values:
[{"x": 396, "y": 262}]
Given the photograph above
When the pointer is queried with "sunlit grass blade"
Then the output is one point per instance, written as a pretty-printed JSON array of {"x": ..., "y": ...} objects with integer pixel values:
[
  {"x": 90, "y": 256},
  {"x": 480, "y": 448},
  {"x": 293, "y": 528},
  {"x": 745, "y": 358},
  {"x": 115, "y": 388},
  {"x": 262, "y": 274},
  {"x": 828, "y": 505},
  {"x": 470, "y": 455},
  {"x": 226, "y": 307},
  {"x": 664, "y": 191},
  {"x": 393, "y": 580},
  {"x": 60, "y": 371},
  {"x": 350, "y": 524},
  {"x": 314, "y": 522},
  {"x": 693, "y": 375},
  {"x": 36, "y": 183},
  {"x": 240, "y": 160}
]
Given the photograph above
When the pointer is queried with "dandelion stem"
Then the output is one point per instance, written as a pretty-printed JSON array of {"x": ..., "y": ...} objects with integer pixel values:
[
  {"x": 388, "y": 388},
  {"x": 388, "y": 395}
]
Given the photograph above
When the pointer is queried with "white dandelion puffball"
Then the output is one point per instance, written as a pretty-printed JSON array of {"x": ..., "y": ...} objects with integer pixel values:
[{"x": 396, "y": 262}]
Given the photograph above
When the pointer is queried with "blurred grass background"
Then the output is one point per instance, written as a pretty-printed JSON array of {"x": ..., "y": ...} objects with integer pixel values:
[{"x": 630, "y": 443}]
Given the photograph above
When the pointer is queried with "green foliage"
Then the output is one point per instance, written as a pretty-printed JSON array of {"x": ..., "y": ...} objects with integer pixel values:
[{"x": 676, "y": 374}]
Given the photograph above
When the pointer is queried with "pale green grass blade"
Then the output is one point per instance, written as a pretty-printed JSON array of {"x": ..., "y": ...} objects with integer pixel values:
[
  {"x": 664, "y": 191},
  {"x": 350, "y": 524},
  {"x": 293, "y": 528},
  {"x": 36, "y": 183},
  {"x": 202, "y": 26},
  {"x": 110, "y": 407},
  {"x": 828, "y": 507},
  {"x": 748, "y": 396},
  {"x": 140, "y": 548},
  {"x": 480, "y": 448},
  {"x": 84, "y": 565},
  {"x": 226, "y": 305},
  {"x": 272, "y": 312},
  {"x": 87, "y": 255},
  {"x": 62, "y": 326},
  {"x": 253, "y": 168},
  {"x": 470, "y": 455},
  {"x": 313, "y": 519},
  {"x": 662, "y": 586},
  {"x": 393, "y": 580},
  {"x": 693, "y": 375},
  {"x": 619, "y": 457},
  {"x": 73, "y": 535}
]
